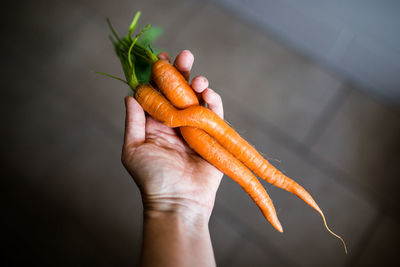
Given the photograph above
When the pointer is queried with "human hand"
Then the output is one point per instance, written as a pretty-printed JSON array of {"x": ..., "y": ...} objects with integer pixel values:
[{"x": 171, "y": 177}]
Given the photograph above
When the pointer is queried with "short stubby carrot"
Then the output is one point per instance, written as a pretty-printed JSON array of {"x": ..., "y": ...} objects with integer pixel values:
[{"x": 173, "y": 85}]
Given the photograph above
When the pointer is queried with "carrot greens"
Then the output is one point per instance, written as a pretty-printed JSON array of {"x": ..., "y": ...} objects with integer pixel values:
[{"x": 134, "y": 52}]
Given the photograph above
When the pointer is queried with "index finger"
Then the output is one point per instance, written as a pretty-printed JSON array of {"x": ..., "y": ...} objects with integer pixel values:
[{"x": 164, "y": 55}]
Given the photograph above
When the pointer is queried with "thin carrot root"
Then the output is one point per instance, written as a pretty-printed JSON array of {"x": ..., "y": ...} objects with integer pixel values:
[{"x": 334, "y": 234}]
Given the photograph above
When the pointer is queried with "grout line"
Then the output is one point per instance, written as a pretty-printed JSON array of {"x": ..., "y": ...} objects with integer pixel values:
[
  {"x": 364, "y": 241},
  {"x": 327, "y": 115}
]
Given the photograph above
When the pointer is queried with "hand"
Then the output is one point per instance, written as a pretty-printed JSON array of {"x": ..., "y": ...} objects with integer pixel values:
[{"x": 170, "y": 176}]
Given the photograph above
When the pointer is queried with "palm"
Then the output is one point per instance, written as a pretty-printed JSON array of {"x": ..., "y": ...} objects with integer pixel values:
[{"x": 174, "y": 169}]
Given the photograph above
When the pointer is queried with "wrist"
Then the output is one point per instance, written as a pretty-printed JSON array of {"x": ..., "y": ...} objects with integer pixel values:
[
  {"x": 182, "y": 210},
  {"x": 176, "y": 235}
]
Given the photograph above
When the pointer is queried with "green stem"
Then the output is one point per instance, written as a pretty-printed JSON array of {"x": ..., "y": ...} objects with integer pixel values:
[
  {"x": 129, "y": 50},
  {"x": 145, "y": 53},
  {"x": 134, "y": 42},
  {"x": 111, "y": 76},
  {"x": 133, "y": 25},
  {"x": 112, "y": 29}
]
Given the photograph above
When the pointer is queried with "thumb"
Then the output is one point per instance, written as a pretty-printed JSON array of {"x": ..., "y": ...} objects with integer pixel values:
[{"x": 135, "y": 123}]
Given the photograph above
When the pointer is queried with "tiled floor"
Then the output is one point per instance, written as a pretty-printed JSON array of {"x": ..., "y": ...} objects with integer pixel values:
[{"x": 61, "y": 146}]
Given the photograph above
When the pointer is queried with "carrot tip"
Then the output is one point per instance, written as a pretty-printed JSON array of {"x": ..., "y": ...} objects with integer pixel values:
[{"x": 277, "y": 225}]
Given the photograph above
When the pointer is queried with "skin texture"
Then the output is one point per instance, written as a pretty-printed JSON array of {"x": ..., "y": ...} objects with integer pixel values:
[{"x": 178, "y": 187}]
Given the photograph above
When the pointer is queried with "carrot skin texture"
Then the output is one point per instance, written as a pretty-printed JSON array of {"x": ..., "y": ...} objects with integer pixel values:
[
  {"x": 213, "y": 152},
  {"x": 173, "y": 85}
]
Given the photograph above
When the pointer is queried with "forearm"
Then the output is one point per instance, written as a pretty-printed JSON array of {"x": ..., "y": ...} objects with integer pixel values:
[{"x": 176, "y": 238}]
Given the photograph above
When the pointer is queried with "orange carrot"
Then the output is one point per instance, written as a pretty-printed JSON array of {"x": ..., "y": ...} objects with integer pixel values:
[{"x": 173, "y": 85}]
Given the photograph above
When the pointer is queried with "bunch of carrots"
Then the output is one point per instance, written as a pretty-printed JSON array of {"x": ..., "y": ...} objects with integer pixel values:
[{"x": 170, "y": 100}]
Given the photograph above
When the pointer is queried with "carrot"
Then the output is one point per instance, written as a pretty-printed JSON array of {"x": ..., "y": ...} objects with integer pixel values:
[{"x": 175, "y": 87}]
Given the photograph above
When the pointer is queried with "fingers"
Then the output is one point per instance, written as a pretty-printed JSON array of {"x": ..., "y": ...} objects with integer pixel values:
[
  {"x": 184, "y": 63},
  {"x": 213, "y": 101},
  {"x": 164, "y": 55},
  {"x": 199, "y": 84},
  {"x": 135, "y": 123}
]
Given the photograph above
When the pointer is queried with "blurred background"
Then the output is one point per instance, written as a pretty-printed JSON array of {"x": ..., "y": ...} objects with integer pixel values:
[{"x": 314, "y": 85}]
